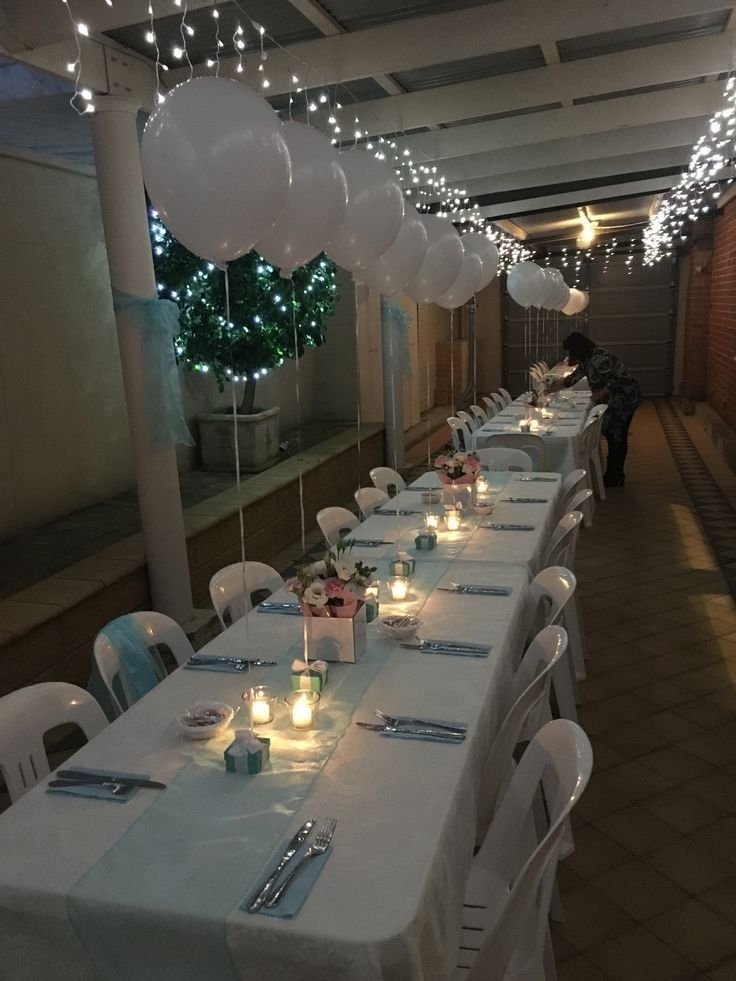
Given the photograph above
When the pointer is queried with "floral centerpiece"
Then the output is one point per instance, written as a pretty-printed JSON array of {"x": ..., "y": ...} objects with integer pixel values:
[
  {"x": 335, "y": 587},
  {"x": 460, "y": 468}
]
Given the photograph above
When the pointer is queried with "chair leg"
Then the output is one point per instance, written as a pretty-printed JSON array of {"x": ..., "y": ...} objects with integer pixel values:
[
  {"x": 556, "y": 911},
  {"x": 577, "y": 643},
  {"x": 550, "y": 968},
  {"x": 595, "y": 463},
  {"x": 562, "y": 675}
]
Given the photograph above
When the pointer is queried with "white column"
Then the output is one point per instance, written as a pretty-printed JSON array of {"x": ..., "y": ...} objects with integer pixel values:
[
  {"x": 125, "y": 220},
  {"x": 393, "y": 395}
]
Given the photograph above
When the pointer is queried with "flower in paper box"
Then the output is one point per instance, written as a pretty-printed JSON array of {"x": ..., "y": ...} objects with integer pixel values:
[
  {"x": 460, "y": 468},
  {"x": 337, "y": 590}
]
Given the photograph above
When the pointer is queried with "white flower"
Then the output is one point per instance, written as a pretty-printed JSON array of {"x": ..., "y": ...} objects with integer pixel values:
[
  {"x": 356, "y": 589},
  {"x": 315, "y": 594},
  {"x": 344, "y": 570}
]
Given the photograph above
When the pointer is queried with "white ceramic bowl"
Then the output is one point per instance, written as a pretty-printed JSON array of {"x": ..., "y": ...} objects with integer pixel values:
[
  {"x": 401, "y": 627},
  {"x": 431, "y": 497},
  {"x": 483, "y": 508},
  {"x": 205, "y": 720}
]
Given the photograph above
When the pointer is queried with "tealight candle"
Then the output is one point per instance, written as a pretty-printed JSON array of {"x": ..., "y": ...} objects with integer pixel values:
[
  {"x": 452, "y": 520},
  {"x": 261, "y": 700},
  {"x": 431, "y": 521},
  {"x": 302, "y": 707},
  {"x": 398, "y": 587},
  {"x": 481, "y": 485}
]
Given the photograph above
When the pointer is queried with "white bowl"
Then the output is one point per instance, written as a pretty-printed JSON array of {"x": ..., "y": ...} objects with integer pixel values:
[
  {"x": 431, "y": 497},
  {"x": 408, "y": 626},
  {"x": 221, "y": 714},
  {"x": 483, "y": 508}
]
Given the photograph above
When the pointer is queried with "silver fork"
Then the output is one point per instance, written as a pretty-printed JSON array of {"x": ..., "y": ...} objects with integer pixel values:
[
  {"x": 318, "y": 847},
  {"x": 395, "y": 723}
]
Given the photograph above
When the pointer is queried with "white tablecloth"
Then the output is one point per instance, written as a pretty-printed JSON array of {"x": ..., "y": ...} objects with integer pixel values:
[
  {"x": 563, "y": 444},
  {"x": 387, "y": 903}
]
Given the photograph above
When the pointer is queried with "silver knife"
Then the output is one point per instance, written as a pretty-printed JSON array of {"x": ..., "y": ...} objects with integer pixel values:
[
  {"x": 213, "y": 659},
  {"x": 458, "y": 651},
  {"x": 453, "y": 737},
  {"x": 260, "y": 894}
]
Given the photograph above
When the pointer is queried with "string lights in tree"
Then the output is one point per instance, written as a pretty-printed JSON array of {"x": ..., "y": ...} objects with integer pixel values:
[
  {"x": 264, "y": 309},
  {"x": 697, "y": 191}
]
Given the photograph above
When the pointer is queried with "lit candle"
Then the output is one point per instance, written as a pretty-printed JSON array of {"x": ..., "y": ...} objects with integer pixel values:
[
  {"x": 261, "y": 700},
  {"x": 431, "y": 521},
  {"x": 481, "y": 485},
  {"x": 452, "y": 520},
  {"x": 398, "y": 587},
  {"x": 303, "y": 707},
  {"x": 260, "y": 712}
]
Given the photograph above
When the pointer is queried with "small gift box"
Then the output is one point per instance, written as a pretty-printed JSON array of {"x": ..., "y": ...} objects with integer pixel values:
[
  {"x": 310, "y": 675},
  {"x": 402, "y": 565},
  {"x": 247, "y": 753},
  {"x": 426, "y": 541}
]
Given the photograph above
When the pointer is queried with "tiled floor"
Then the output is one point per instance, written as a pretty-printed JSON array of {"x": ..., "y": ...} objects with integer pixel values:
[{"x": 650, "y": 891}]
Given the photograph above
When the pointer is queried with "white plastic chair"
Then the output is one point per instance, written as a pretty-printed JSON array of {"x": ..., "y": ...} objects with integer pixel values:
[
  {"x": 549, "y": 603},
  {"x": 505, "y": 932},
  {"x": 563, "y": 541},
  {"x": 499, "y": 400},
  {"x": 232, "y": 588},
  {"x": 469, "y": 420},
  {"x": 569, "y": 488},
  {"x": 159, "y": 631},
  {"x": 491, "y": 406},
  {"x": 480, "y": 414},
  {"x": 385, "y": 477},
  {"x": 591, "y": 437},
  {"x": 505, "y": 395},
  {"x": 461, "y": 436},
  {"x": 583, "y": 501},
  {"x": 530, "y": 710},
  {"x": 26, "y": 715},
  {"x": 335, "y": 522},
  {"x": 368, "y": 499},
  {"x": 528, "y": 442},
  {"x": 502, "y": 458}
]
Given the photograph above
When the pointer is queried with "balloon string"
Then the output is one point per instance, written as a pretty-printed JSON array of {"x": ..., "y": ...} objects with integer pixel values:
[
  {"x": 241, "y": 522},
  {"x": 452, "y": 360},
  {"x": 358, "y": 415},
  {"x": 297, "y": 370},
  {"x": 429, "y": 404}
]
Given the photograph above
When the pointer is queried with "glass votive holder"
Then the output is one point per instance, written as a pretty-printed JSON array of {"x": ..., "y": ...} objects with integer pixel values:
[
  {"x": 398, "y": 587},
  {"x": 432, "y": 521},
  {"x": 261, "y": 702},
  {"x": 452, "y": 520},
  {"x": 481, "y": 485},
  {"x": 303, "y": 708}
]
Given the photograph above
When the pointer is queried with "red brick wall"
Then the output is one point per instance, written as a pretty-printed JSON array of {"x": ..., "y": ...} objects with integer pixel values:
[
  {"x": 697, "y": 320},
  {"x": 721, "y": 367}
]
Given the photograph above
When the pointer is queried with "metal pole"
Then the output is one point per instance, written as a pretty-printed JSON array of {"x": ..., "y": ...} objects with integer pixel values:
[
  {"x": 393, "y": 395},
  {"x": 125, "y": 220}
]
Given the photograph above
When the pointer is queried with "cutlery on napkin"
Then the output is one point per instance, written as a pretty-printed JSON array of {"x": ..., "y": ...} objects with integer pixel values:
[
  {"x": 83, "y": 775},
  {"x": 212, "y": 660},
  {"x": 408, "y": 720},
  {"x": 368, "y": 542},
  {"x": 498, "y": 527},
  {"x": 545, "y": 480},
  {"x": 414, "y": 732},
  {"x": 473, "y": 588},
  {"x": 383, "y": 513},
  {"x": 312, "y": 860},
  {"x": 261, "y": 893},
  {"x": 524, "y": 500},
  {"x": 447, "y": 647},
  {"x": 272, "y": 607}
]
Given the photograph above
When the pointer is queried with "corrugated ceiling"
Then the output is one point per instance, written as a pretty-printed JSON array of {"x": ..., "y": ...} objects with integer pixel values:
[
  {"x": 469, "y": 69},
  {"x": 662, "y": 87},
  {"x": 356, "y": 15}
]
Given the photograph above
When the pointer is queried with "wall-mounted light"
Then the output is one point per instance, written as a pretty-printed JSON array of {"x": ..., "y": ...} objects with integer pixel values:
[{"x": 588, "y": 231}]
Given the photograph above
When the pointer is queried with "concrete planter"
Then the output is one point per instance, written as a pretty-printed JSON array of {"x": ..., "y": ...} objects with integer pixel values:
[{"x": 258, "y": 440}]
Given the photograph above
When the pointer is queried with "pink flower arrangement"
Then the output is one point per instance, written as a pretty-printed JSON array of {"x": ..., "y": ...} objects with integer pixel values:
[
  {"x": 460, "y": 467},
  {"x": 337, "y": 589}
]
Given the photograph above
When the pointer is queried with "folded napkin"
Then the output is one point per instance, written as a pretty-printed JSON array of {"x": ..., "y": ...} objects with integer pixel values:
[
  {"x": 300, "y": 888},
  {"x": 472, "y": 587},
  {"x": 289, "y": 609},
  {"x": 368, "y": 542},
  {"x": 454, "y": 645},
  {"x": 423, "y": 737},
  {"x": 392, "y": 514},
  {"x": 524, "y": 500},
  {"x": 507, "y": 527},
  {"x": 233, "y": 667},
  {"x": 95, "y": 790},
  {"x": 455, "y": 651}
]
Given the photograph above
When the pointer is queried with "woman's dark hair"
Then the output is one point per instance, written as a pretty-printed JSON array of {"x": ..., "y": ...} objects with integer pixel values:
[{"x": 578, "y": 346}]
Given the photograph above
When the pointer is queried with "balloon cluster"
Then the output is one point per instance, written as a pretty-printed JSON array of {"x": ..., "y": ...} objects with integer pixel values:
[
  {"x": 531, "y": 286},
  {"x": 225, "y": 175}
]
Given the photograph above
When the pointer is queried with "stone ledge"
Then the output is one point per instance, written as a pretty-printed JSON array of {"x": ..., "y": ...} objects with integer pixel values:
[{"x": 46, "y": 628}]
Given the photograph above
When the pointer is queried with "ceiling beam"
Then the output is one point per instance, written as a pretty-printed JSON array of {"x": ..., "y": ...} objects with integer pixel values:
[
  {"x": 674, "y": 62},
  {"x": 573, "y": 150},
  {"x": 485, "y": 29},
  {"x": 632, "y": 110}
]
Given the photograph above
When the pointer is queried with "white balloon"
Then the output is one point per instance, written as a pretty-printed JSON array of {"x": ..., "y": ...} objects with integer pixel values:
[
  {"x": 216, "y": 166},
  {"x": 374, "y": 213},
  {"x": 466, "y": 284},
  {"x": 549, "y": 291},
  {"x": 575, "y": 304},
  {"x": 486, "y": 251},
  {"x": 442, "y": 262},
  {"x": 316, "y": 205},
  {"x": 525, "y": 283},
  {"x": 563, "y": 299},
  {"x": 402, "y": 262}
]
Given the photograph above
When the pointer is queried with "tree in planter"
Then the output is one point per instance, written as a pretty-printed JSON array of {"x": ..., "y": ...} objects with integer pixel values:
[{"x": 263, "y": 310}]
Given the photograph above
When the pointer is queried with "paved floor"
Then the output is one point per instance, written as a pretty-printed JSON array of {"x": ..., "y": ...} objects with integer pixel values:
[{"x": 650, "y": 891}]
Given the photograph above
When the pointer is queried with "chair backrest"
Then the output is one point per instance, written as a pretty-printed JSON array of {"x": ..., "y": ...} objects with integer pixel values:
[
  {"x": 159, "y": 631},
  {"x": 531, "y": 444},
  {"x": 499, "y": 400},
  {"x": 558, "y": 762},
  {"x": 384, "y": 478},
  {"x": 563, "y": 541},
  {"x": 368, "y": 499},
  {"x": 26, "y": 715},
  {"x": 544, "y": 366},
  {"x": 335, "y": 522},
  {"x": 597, "y": 411},
  {"x": 501, "y": 458},
  {"x": 529, "y": 711},
  {"x": 591, "y": 434},
  {"x": 491, "y": 405},
  {"x": 549, "y": 592},
  {"x": 461, "y": 437},
  {"x": 480, "y": 414},
  {"x": 569, "y": 488},
  {"x": 505, "y": 395},
  {"x": 469, "y": 420},
  {"x": 580, "y": 499},
  {"x": 232, "y": 589}
]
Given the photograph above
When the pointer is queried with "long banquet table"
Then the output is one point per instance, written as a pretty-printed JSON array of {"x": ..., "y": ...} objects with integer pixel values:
[
  {"x": 151, "y": 888},
  {"x": 561, "y": 434}
]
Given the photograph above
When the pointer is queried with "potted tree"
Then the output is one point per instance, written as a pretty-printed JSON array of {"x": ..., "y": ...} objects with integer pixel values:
[{"x": 271, "y": 319}]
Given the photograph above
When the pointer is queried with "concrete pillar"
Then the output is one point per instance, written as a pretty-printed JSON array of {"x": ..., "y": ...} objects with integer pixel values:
[
  {"x": 393, "y": 395},
  {"x": 125, "y": 220}
]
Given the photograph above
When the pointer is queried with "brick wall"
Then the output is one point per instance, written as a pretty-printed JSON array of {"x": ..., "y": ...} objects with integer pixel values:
[
  {"x": 697, "y": 319},
  {"x": 721, "y": 367}
]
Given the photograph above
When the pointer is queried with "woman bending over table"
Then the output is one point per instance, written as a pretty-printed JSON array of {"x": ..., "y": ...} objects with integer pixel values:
[{"x": 609, "y": 382}]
